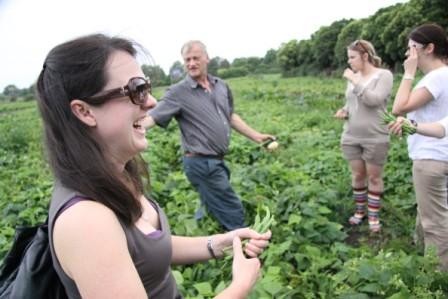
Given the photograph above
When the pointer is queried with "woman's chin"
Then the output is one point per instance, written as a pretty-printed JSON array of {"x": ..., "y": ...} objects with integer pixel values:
[{"x": 140, "y": 146}]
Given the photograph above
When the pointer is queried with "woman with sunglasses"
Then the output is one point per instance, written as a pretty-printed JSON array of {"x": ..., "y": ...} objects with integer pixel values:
[
  {"x": 365, "y": 141},
  {"x": 108, "y": 239},
  {"x": 428, "y": 102}
]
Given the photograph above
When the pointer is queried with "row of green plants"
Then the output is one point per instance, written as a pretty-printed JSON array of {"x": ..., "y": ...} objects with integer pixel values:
[{"x": 305, "y": 184}]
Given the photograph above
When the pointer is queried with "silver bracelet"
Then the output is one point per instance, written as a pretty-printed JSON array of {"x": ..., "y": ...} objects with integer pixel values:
[
  {"x": 210, "y": 247},
  {"x": 408, "y": 77}
]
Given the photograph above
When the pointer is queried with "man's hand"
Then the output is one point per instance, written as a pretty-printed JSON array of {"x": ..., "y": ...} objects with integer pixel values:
[{"x": 260, "y": 138}]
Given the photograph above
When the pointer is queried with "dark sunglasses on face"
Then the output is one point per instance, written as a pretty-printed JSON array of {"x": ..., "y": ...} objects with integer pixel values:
[{"x": 137, "y": 90}]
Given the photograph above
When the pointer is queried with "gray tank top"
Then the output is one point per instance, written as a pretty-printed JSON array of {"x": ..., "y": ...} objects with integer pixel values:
[{"x": 151, "y": 255}]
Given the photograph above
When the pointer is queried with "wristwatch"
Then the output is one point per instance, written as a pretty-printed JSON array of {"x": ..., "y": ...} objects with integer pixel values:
[{"x": 413, "y": 122}]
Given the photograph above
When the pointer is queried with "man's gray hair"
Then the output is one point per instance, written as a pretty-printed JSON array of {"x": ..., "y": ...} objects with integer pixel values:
[{"x": 187, "y": 46}]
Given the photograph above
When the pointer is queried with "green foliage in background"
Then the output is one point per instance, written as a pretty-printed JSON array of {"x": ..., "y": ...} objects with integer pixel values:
[
  {"x": 305, "y": 184},
  {"x": 387, "y": 29}
]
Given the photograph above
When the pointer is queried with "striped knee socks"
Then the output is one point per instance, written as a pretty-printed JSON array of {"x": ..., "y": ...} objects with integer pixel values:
[
  {"x": 360, "y": 197},
  {"x": 374, "y": 204}
]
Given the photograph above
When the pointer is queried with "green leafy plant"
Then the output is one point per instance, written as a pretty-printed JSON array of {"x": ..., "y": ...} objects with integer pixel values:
[
  {"x": 306, "y": 185},
  {"x": 407, "y": 129}
]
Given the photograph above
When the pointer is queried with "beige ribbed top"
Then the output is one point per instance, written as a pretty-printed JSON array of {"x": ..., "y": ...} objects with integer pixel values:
[{"x": 364, "y": 103}]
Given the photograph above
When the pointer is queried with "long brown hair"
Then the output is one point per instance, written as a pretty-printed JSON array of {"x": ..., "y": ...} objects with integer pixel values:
[{"x": 73, "y": 70}]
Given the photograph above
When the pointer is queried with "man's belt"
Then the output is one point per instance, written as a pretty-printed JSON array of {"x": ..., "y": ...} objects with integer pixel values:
[{"x": 197, "y": 155}]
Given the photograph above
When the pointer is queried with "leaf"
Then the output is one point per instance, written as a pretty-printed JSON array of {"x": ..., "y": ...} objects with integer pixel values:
[
  {"x": 294, "y": 219},
  {"x": 178, "y": 277},
  {"x": 272, "y": 287},
  {"x": 400, "y": 295},
  {"x": 324, "y": 210},
  {"x": 221, "y": 286},
  {"x": 354, "y": 296},
  {"x": 366, "y": 271},
  {"x": 371, "y": 288},
  {"x": 204, "y": 288},
  {"x": 273, "y": 270}
]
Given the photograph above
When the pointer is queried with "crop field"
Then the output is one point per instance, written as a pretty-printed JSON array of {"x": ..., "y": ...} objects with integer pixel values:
[{"x": 305, "y": 183}]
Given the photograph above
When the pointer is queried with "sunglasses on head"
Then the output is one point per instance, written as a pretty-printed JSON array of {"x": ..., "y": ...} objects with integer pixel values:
[
  {"x": 416, "y": 45},
  {"x": 358, "y": 43},
  {"x": 137, "y": 90}
]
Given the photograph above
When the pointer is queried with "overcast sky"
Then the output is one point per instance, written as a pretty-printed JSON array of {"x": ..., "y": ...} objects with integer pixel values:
[{"x": 230, "y": 29}]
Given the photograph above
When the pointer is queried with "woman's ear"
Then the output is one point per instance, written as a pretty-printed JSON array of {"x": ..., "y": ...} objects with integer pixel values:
[
  {"x": 365, "y": 56},
  {"x": 83, "y": 112},
  {"x": 429, "y": 48}
]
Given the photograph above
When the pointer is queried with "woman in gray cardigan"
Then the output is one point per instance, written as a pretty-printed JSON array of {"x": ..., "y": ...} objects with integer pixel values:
[{"x": 365, "y": 140}]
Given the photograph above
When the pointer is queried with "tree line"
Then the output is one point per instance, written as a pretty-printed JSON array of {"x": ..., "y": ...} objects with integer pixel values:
[
  {"x": 387, "y": 29},
  {"x": 324, "y": 53},
  {"x": 218, "y": 66}
]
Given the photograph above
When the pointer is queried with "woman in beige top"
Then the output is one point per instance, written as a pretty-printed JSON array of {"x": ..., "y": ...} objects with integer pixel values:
[{"x": 365, "y": 140}]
